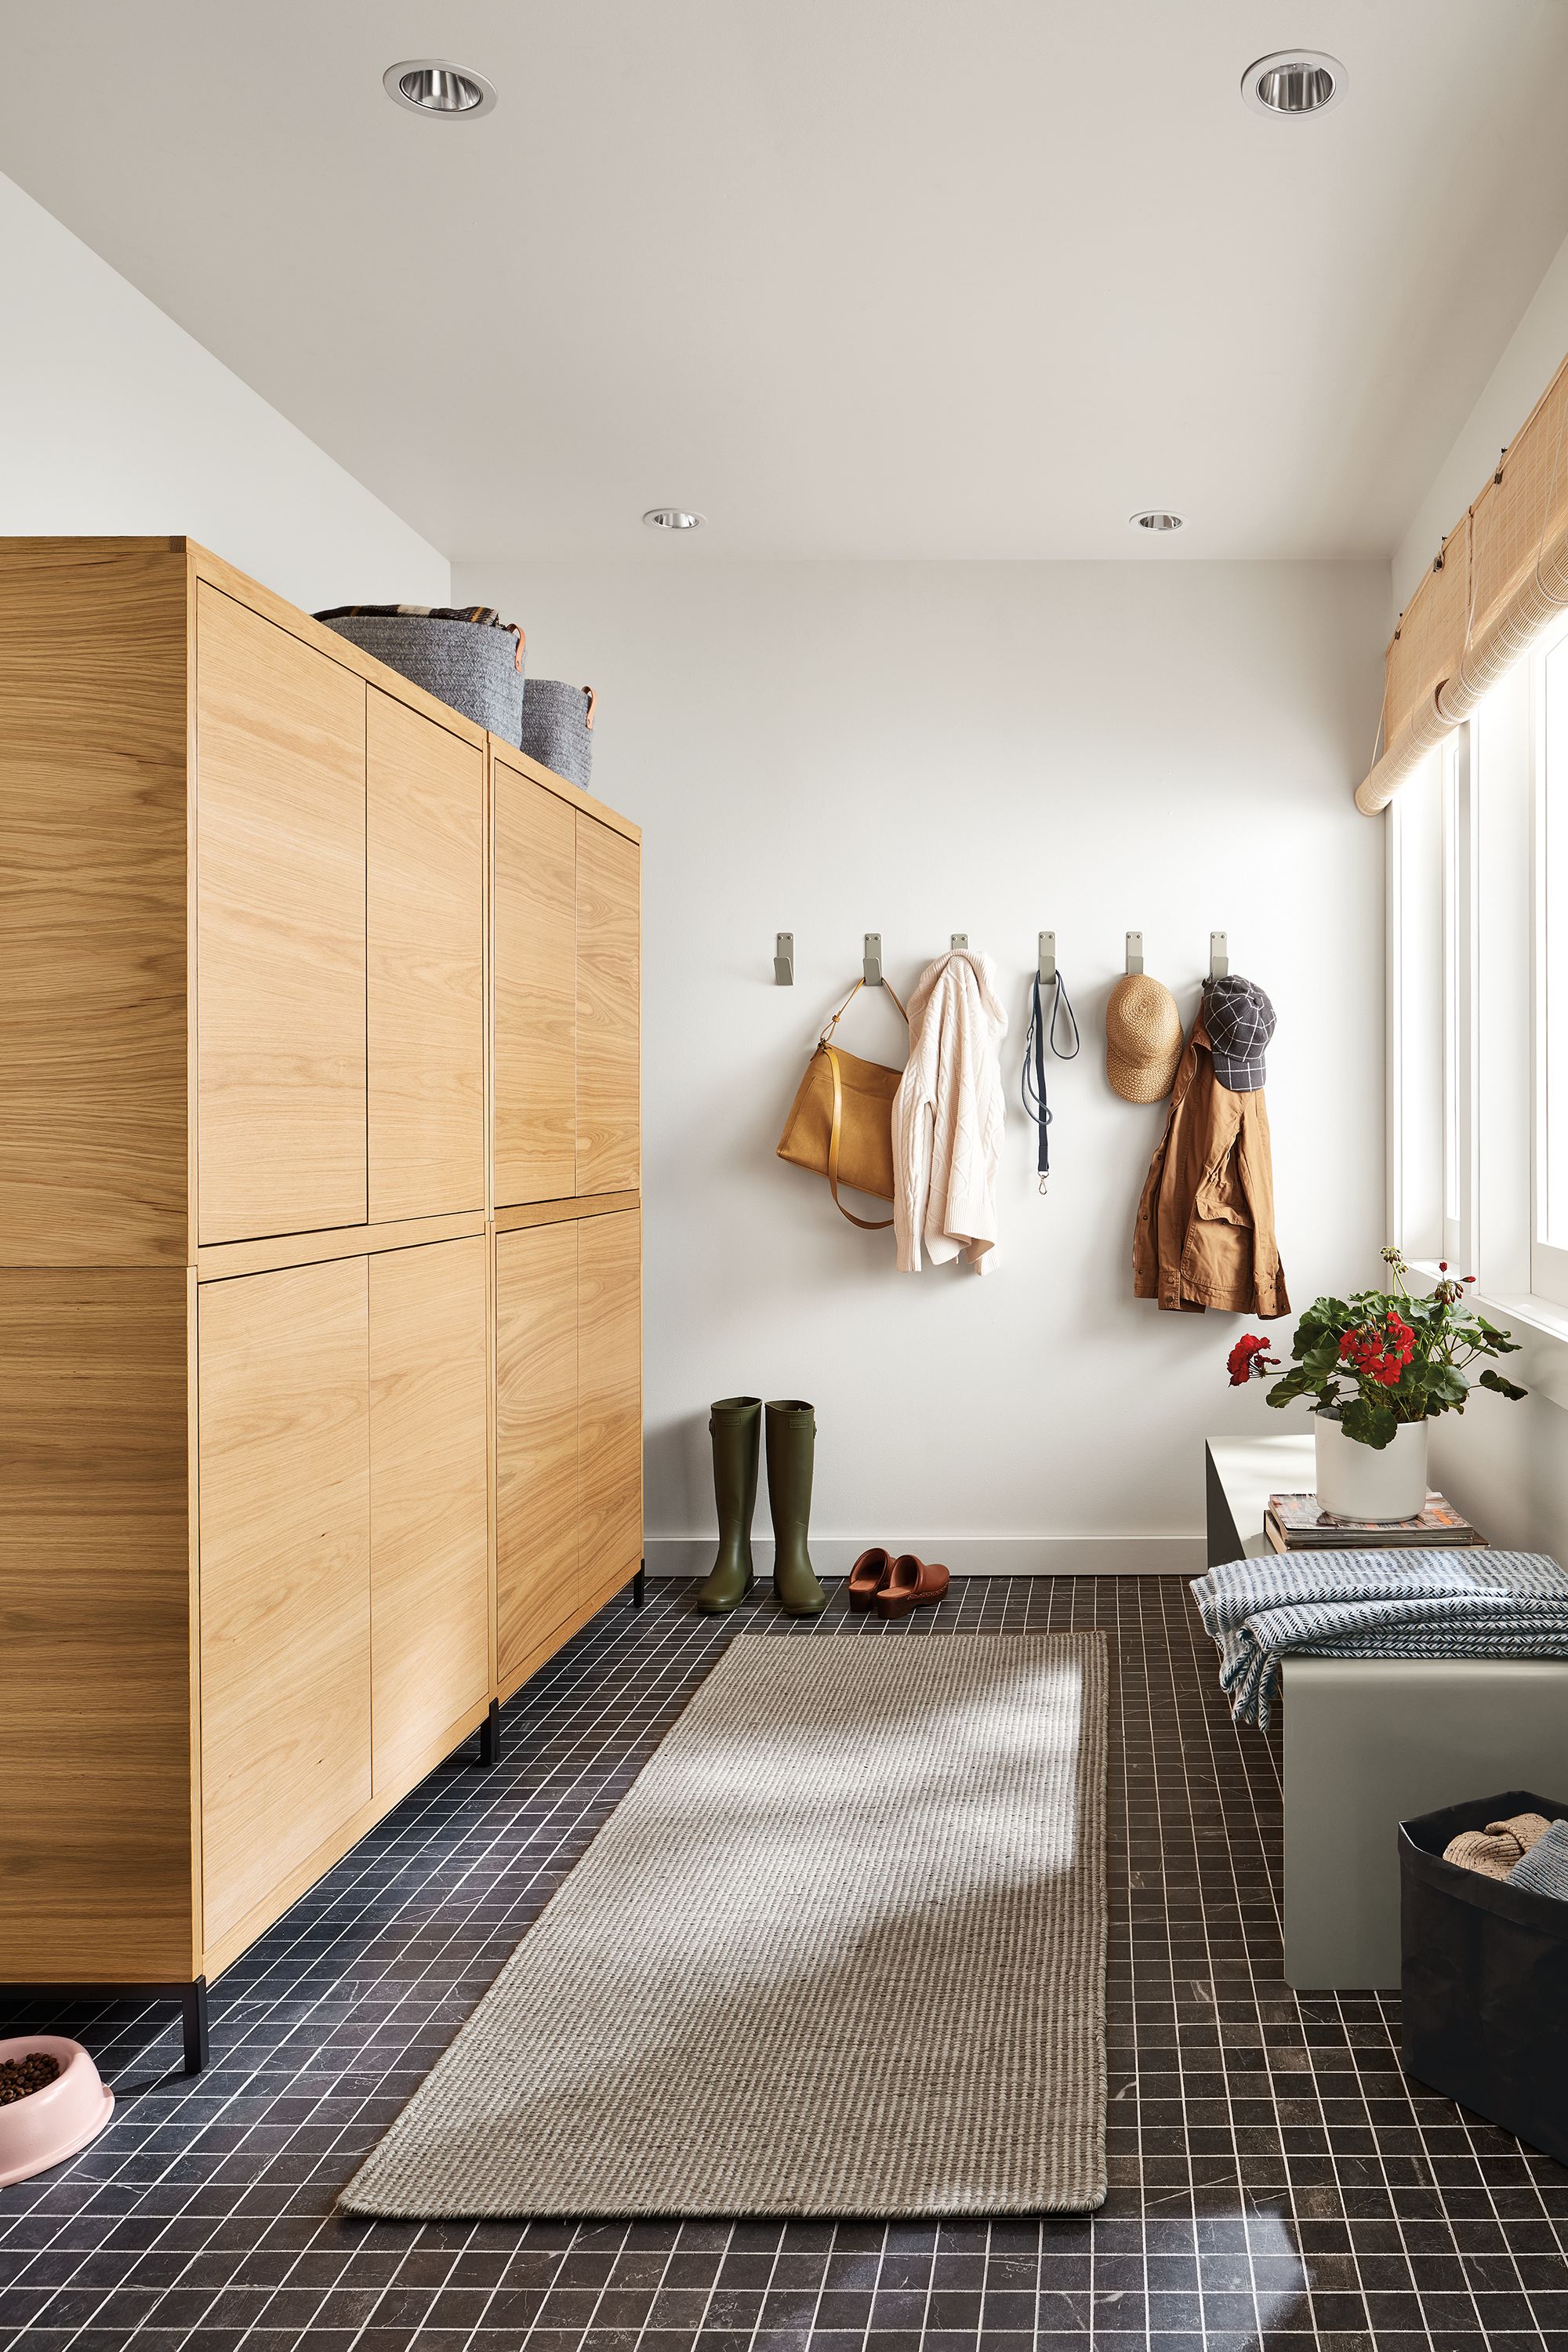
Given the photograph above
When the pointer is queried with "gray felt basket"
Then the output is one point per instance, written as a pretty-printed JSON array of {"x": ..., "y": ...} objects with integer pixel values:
[
  {"x": 470, "y": 664},
  {"x": 558, "y": 727}
]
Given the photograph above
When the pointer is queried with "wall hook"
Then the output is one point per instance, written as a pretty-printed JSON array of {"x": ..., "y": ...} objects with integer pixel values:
[
  {"x": 1134, "y": 950},
  {"x": 1047, "y": 964},
  {"x": 871, "y": 969},
  {"x": 957, "y": 939},
  {"x": 784, "y": 958},
  {"x": 1219, "y": 955}
]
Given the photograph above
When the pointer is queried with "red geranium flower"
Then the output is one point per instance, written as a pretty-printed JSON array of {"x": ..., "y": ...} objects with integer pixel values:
[{"x": 1249, "y": 1356}]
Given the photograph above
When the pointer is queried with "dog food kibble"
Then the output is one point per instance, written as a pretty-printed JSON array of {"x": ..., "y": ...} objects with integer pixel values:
[{"x": 20, "y": 2075}]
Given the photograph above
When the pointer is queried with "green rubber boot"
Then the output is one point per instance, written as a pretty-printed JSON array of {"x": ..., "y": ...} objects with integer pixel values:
[
  {"x": 735, "y": 1425},
  {"x": 792, "y": 1442}
]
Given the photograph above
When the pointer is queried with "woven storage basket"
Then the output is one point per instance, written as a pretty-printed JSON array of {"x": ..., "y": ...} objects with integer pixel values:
[
  {"x": 558, "y": 727},
  {"x": 470, "y": 661}
]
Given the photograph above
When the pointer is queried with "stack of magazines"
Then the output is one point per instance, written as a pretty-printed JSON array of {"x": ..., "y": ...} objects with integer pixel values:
[{"x": 1299, "y": 1523}]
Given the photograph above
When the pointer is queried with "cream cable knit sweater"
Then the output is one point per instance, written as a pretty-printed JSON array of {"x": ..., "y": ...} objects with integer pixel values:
[{"x": 948, "y": 1117}]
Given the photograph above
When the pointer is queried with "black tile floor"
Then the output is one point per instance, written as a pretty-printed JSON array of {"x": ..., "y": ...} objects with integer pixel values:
[{"x": 1274, "y": 2178}]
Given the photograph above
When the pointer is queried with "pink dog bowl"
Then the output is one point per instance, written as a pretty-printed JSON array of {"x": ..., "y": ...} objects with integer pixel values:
[{"x": 49, "y": 2125}]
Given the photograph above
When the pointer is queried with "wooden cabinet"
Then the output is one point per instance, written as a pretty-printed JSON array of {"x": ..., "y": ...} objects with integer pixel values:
[
  {"x": 96, "y": 1602},
  {"x": 93, "y": 879},
  {"x": 609, "y": 1398},
  {"x": 280, "y": 929},
  {"x": 568, "y": 1426},
  {"x": 425, "y": 903},
  {"x": 535, "y": 991},
  {"x": 537, "y": 1466},
  {"x": 320, "y": 1323},
  {"x": 608, "y": 1083},
  {"x": 284, "y": 1451},
  {"x": 567, "y": 953},
  {"x": 429, "y": 1491}
]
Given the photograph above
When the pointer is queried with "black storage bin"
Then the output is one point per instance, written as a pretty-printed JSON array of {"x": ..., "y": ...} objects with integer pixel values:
[{"x": 1484, "y": 2015}]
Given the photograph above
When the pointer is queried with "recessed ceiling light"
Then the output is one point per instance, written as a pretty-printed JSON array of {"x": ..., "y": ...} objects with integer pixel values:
[
  {"x": 1156, "y": 519},
  {"x": 673, "y": 518},
  {"x": 435, "y": 86},
  {"x": 1293, "y": 82}
]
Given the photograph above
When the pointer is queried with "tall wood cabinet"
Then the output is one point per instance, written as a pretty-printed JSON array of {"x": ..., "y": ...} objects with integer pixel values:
[{"x": 319, "y": 1249}]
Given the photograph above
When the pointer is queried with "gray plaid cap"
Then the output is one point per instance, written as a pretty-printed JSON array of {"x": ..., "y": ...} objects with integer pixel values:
[{"x": 1240, "y": 1021}]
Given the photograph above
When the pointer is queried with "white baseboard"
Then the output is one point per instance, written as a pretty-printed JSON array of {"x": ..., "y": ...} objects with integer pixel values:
[{"x": 963, "y": 1555}]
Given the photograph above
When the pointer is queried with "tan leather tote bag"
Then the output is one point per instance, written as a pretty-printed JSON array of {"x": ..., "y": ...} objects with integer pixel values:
[{"x": 840, "y": 1124}]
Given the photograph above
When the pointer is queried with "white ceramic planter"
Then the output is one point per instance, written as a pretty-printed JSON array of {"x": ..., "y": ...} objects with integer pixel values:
[{"x": 1362, "y": 1482}]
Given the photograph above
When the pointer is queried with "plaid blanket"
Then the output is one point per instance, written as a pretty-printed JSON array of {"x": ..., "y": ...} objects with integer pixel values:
[{"x": 1422, "y": 1603}]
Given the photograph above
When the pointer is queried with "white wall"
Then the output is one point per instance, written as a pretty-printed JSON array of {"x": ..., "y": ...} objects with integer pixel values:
[
  {"x": 1530, "y": 359},
  {"x": 113, "y": 420},
  {"x": 925, "y": 748}
]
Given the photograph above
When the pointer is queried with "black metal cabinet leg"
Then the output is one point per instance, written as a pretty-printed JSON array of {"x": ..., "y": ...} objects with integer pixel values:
[
  {"x": 194, "y": 2004},
  {"x": 639, "y": 1585},
  {"x": 489, "y": 1735}
]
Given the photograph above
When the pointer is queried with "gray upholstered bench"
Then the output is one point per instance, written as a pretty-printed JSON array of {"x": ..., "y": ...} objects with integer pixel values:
[{"x": 1370, "y": 1741}]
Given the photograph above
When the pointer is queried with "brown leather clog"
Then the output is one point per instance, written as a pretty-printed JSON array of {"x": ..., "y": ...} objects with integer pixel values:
[
  {"x": 868, "y": 1575},
  {"x": 912, "y": 1584}
]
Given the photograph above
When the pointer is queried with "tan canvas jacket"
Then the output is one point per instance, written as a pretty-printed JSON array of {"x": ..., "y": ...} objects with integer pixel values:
[{"x": 1205, "y": 1222}]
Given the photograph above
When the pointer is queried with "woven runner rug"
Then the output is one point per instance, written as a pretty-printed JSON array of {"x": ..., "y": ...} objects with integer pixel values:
[{"x": 840, "y": 1950}]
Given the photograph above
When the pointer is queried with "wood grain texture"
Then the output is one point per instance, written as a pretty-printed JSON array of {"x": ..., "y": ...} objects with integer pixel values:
[
  {"x": 226, "y": 1259},
  {"x": 526, "y": 1667},
  {"x": 521, "y": 764},
  {"x": 551, "y": 1212},
  {"x": 609, "y": 1383},
  {"x": 535, "y": 1009},
  {"x": 426, "y": 898},
  {"x": 315, "y": 636},
  {"x": 95, "y": 1726},
  {"x": 609, "y": 1109},
  {"x": 429, "y": 1496},
  {"x": 228, "y": 1946},
  {"x": 536, "y": 1436},
  {"x": 280, "y": 851},
  {"x": 285, "y": 1575},
  {"x": 92, "y": 903}
]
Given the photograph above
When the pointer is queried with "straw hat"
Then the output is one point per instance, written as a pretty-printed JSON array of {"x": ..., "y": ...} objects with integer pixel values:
[{"x": 1143, "y": 1038}]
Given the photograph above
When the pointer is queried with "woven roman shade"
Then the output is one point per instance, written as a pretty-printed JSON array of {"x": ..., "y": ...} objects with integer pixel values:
[{"x": 1500, "y": 580}]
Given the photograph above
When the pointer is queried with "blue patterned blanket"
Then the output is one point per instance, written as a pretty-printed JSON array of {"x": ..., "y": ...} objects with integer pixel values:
[{"x": 1417, "y": 1604}]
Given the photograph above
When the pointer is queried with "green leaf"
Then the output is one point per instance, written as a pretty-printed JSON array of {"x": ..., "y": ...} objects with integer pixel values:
[
  {"x": 1290, "y": 1385},
  {"x": 1370, "y": 1422},
  {"x": 1499, "y": 1387}
]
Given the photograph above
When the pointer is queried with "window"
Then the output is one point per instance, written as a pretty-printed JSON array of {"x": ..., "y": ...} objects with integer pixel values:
[
  {"x": 1479, "y": 1001},
  {"x": 1549, "y": 1254}
]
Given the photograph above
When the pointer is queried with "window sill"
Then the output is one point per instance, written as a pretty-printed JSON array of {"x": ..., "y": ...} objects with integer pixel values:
[{"x": 1539, "y": 1325}]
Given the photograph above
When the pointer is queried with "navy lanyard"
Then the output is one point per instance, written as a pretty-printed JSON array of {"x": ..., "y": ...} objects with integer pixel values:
[{"x": 1035, "y": 1043}]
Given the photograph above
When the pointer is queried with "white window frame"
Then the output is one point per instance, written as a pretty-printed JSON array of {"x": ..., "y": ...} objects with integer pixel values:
[
  {"x": 1460, "y": 983},
  {"x": 1549, "y": 729},
  {"x": 1471, "y": 900}
]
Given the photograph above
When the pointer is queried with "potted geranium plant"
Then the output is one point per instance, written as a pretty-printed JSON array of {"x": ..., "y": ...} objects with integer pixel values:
[{"x": 1380, "y": 1367}]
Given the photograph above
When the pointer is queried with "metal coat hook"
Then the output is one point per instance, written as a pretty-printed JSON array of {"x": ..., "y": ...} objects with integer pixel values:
[
  {"x": 1047, "y": 964},
  {"x": 1134, "y": 950},
  {"x": 957, "y": 939},
  {"x": 871, "y": 969},
  {"x": 1219, "y": 955},
  {"x": 784, "y": 958}
]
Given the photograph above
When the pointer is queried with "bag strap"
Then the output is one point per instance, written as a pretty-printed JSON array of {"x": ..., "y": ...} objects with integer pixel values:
[
  {"x": 826, "y": 1038},
  {"x": 825, "y": 1045},
  {"x": 866, "y": 1224}
]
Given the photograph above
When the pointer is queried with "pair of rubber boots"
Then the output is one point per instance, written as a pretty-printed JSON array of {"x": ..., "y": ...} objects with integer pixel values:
[{"x": 735, "y": 1425}]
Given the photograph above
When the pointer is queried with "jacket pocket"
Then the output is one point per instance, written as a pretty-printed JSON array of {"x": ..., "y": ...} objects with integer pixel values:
[
  {"x": 1216, "y": 1263},
  {"x": 1222, "y": 1196}
]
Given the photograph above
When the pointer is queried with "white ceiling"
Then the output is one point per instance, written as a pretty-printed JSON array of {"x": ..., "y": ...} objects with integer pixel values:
[{"x": 862, "y": 279}]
